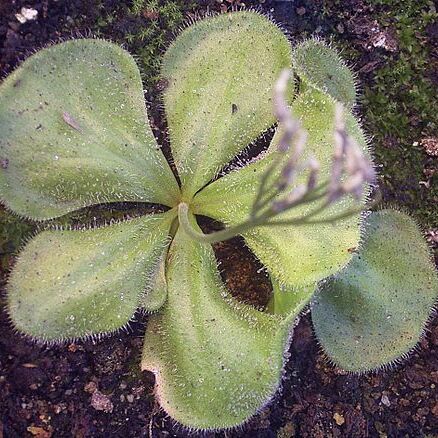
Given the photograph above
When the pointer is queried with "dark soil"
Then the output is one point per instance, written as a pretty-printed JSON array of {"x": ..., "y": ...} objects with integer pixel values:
[{"x": 95, "y": 389}]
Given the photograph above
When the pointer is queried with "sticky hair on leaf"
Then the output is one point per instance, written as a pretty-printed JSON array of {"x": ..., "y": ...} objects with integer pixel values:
[
  {"x": 82, "y": 138},
  {"x": 319, "y": 65},
  {"x": 374, "y": 311}
]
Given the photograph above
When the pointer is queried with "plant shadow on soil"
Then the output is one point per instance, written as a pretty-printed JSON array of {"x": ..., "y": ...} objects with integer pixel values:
[{"x": 47, "y": 391}]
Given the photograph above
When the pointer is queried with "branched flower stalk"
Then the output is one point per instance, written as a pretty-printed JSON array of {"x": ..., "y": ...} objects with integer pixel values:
[{"x": 351, "y": 172}]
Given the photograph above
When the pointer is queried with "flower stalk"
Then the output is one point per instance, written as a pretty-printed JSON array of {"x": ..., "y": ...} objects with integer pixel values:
[{"x": 351, "y": 171}]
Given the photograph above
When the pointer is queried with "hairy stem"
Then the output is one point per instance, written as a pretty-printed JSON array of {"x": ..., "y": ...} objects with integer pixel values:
[
  {"x": 264, "y": 219},
  {"x": 217, "y": 236}
]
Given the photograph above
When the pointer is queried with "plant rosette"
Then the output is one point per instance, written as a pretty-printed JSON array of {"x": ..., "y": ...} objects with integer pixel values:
[{"x": 74, "y": 133}]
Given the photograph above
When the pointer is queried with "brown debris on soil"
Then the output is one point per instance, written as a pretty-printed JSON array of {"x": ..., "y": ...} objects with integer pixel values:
[
  {"x": 430, "y": 145},
  {"x": 373, "y": 35}
]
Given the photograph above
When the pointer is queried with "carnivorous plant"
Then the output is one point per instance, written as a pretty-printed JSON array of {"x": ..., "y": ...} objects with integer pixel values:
[{"x": 74, "y": 133}]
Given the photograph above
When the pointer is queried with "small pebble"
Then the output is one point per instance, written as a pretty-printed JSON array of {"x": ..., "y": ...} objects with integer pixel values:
[
  {"x": 101, "y": 402},
  {"x": 340, "y": 420},
  {"x": 26, "y": 14},
  {"x": 430, "y": 146},
  {"x": 385, "y": 400},
  {"x": 90, "y": 387},
  {"x": 39, "y": 432}
]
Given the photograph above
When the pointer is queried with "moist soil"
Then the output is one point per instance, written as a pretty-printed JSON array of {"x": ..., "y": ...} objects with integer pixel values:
[{"x": 95, "y": 388}]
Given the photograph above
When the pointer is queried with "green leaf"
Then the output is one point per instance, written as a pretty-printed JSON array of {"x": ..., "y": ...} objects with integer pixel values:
[
  {"x": 375, "y": 310},
  {"x": 74, "y": 132},
  {"x": 295, "y": 255},
  {"x": 320, "y": 66},
  {"x": 216, "y": 361},
  {"x": 286, "y": 300},
  {"x": 76, "y": 283},
  {"x": 220, "y": 74},
  {"x": 156, "y": 293}
]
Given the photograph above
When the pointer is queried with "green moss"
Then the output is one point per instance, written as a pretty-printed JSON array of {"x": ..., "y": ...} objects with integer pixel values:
[
  {"x": 145, "y": 28},
  {"x": 399, "y": 104}
]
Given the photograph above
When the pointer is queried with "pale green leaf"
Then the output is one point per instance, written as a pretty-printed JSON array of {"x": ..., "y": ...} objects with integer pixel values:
[
  {"x": 375, "y": 310},
  {"x": 76, "y": 283},
  {"x": 74, "y": 132},
  {"x": 287, "y": 299},
  {"x": 219, "y": 74},
  {"x": 216, "y": 361},
  {"x": 320, "y": 66},
  {"x": 295, "y": 255},
  {"x": 156, "y": 293}
]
